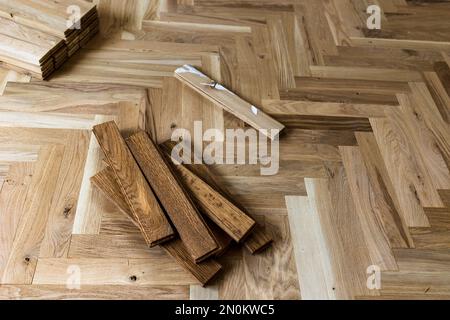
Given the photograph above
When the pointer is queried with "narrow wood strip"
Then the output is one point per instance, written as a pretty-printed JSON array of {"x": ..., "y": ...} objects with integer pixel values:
[
  {"x": 372, "y": 213},
  {"x": 227, "y": 216},
  {"x": 98, "y": 292},
  {"x": 139, "y": 196},
  {"x": 30, "y": 231},
  {"x": 88, "y": 213},
  {"x": 190, "y": 225},
  {"x": 311, "y": 252},
  {"x": 12, "y": 193},
  {"x": 388, "y": 204},
  {"x": 229, "y": 101},
  {"x": 258, "y": 240},
  {"x": 106, "y": 182}
]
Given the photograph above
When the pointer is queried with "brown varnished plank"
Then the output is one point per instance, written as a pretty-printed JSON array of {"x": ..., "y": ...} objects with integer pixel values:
[
  {"x": 190, "y": 225},
  {"x": 139, "y": 196},
  {"x": 203, "y": 272},
  {"x": 230, "y": 218},
  {"x": 258, "y": 240}
]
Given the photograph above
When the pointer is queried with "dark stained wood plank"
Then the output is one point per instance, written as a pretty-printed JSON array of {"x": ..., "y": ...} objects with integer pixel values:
[
  {"x": 190, "y": 225},
  {"x": 138, "y": 194},
  {"x": 227, "y": 216},
  {"x": 203, "y": 271}
]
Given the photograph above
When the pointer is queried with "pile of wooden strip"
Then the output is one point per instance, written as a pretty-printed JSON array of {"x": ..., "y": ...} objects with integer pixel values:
[
  {"x": 172, "y": 206},
  {"x": 38, "y": 36}
]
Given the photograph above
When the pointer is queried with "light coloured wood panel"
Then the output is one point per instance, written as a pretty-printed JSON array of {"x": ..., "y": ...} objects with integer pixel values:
[
  {"x": 311, "y": 251},
  {"x": 119, "y": 271}
]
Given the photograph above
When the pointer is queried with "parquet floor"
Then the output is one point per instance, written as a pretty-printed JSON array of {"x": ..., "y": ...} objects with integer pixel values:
[{"x": 364, "y": 175}]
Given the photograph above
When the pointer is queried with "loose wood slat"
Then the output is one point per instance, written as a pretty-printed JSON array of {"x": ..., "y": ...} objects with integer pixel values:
[
  {"x": 258, "y": 240},
  {"x": 229, "y": 101},
  {"x": 203, "y": 272},
  {"x": 35, "y": 37},
  {"x": 191, "y": 227},
  {"x": 138, "y": 194},
  {"x": 227, "y": 216}
]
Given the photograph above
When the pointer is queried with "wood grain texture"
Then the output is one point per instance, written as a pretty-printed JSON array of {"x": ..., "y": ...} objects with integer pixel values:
[
  {"x": 190, "y": 225},
  {"x": 313, "y": 66},
  {"x": 228, "y": 217},
  {"x": 312, "y": 256},
  {"x": 24, "y": 250},
  {"x": 203, "y": 272},
  {"x": 229, "y": 101},
  {"x": 100, "y": 292},
  {"x": 258, "y": 240},
  {"x": 36, "y": 37},
  {"x": 139, "y": 196},
  {"x": 372, "y": 221}
]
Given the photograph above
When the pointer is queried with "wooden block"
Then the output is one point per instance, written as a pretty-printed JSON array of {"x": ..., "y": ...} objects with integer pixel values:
[
  {"x": 203, "y": 272},
  {"x": 229, "y": 101},
  {"x": 190, "y": 225},
  {"x": 138, "y": 194},
  {"x": 226, "y": 215}
]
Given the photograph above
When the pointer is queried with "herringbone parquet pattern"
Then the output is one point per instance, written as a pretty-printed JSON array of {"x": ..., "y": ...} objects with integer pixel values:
[{"x": 364, "y": 174}]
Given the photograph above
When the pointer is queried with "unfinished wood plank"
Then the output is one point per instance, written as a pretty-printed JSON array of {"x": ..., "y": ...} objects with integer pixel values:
[
  {"x": 159, "y": 271},
  {"x": 440, "y": 94},
  {"x": 227, "y": 100},
  {"x": 366, "y": 203},
  {"x": 88, "y": 213},
  {"x": 31, "y": 229},
  {"x": 348, "y": 255},
  {"x": 62, "y": 212},
  {"x": 191, "y": 227},
  {"x": 311, "y": 252},
  {"x": 258, "y": 240},
  {"x": 139, "y": 196},
  {"x": 203, "y": 272},
  {"x": 201, "y": 293},
  {"x": 388, "y": 204},
  {"x": 432, "y": 118},
  {"x": 13, "y": 191},
  {"x": 401, "y": 171},
  {"x": 87, "y": 292}
]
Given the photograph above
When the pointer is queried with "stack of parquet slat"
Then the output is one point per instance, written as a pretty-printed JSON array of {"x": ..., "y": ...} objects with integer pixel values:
[
  {"x": 171, "y": 205},
  {"x": 38, "y": 37}
]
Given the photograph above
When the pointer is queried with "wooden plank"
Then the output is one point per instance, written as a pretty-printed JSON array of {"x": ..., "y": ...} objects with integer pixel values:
[
  {"x": 440, "y": 94},
  {"x": 61, "y": 216},
  {"x": 349, "y": 255},
  {"x": 230, "y": 102},
  {"x": 139, "y": 196},
  {"x": 258, "y": 240},
  {"x": 88, "y": 213},
  {"x": 222, "y": 212},
  {"x": 402, "y": 171},
  {"x": 203, "y": 271},
  {"x": 13, "y": 191},
  {"x": 388, "y": 204},
  {"x": 88, "y": 292},
  {"x": 150, "y": 272},
  {"x": 30, "y": 232},
  {"x": 311, "y": 252},
  {"x": 190, "y": 225},
  {"x": 368, "y": 205}
]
